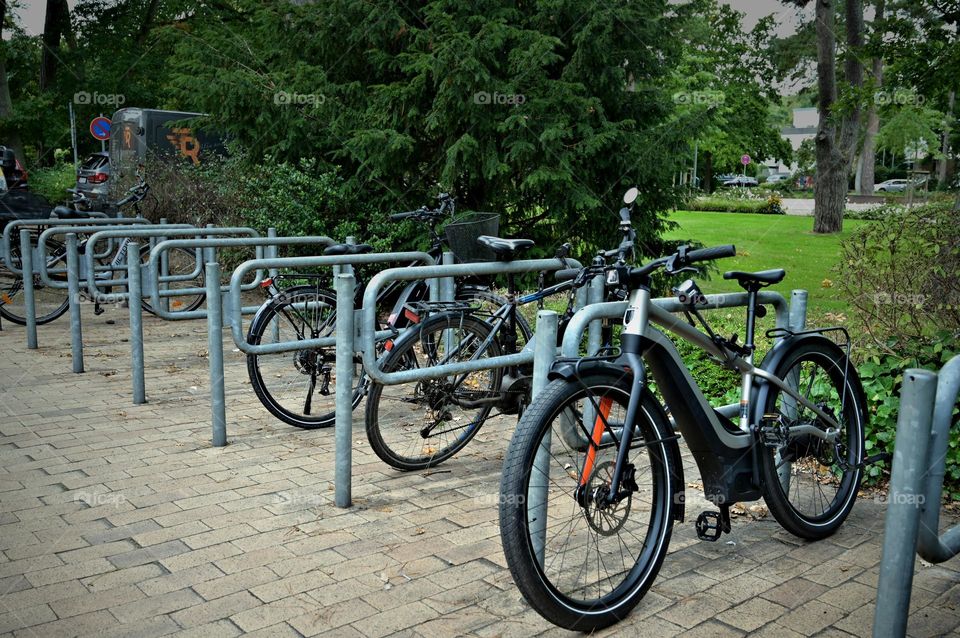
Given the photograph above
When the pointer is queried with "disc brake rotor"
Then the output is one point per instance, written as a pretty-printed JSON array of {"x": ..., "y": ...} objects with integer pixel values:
[{"x": 605, "y": 520}]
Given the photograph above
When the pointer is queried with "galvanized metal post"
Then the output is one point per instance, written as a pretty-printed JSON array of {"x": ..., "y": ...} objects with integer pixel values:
[
  {"x": 905, "y": 502},
  {"x": 135, "y": 309},
  {"x": 345, "y": 283},
  {"x": 29, "y": 309},
  {"x": 272, "y": 253},
  {"x": 594, "y": 336},
  {"x": 73, "y": 295},
  {"x": 545, "y": 350},
  {"x": 215, "y": 353},
  {"x": 798, "y": 310},
  {"x": 448, "y": 287},
  {"x": 164, "y": 271}
]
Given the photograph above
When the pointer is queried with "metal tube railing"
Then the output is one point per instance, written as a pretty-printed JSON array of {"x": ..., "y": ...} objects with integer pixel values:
[
  {"x": 20, "y": 223},
  {"x": 309, "y": 262},
  {"x": 927, "y": 402},
  {"x": 368, "y": 317}
]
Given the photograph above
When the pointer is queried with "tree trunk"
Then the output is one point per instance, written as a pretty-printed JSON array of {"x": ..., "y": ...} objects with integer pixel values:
[
  {"x": 945, "y": 144},
  {"x": 6, "y": 104},
  {"x": 835, "y": 141},
  {"x": 867, "y": 173},
  {"x": 148, "y": 18},
  {"x": 56, "y": 23},
  {"x": 708, "y": 171}
]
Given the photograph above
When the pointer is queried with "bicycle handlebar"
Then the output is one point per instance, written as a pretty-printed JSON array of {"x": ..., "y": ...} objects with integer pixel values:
[{"x": 714, "y": 252}]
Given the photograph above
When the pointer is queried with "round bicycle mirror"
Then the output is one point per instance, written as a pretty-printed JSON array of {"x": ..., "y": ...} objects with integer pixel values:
[{"x": 631, "y": 196}]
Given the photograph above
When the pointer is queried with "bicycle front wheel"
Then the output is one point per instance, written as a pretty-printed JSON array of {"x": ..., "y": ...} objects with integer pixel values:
[
  {"x": 810, "y": 485},
  {"x": 298, "y": 387},
  {"x": 416, "y": 426},
  {"x": 49, "y": 302},
  {"x": 580, "y": 563}
]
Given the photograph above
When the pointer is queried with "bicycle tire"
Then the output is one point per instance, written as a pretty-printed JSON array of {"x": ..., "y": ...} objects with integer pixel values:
[
  {"x": 11, "y": 289},
  {"x": 392, "y": 428},
  {"x": 305, "y": 363},
  {"x": 804, "y": 457},
  {"x": 552, "y": 592}
]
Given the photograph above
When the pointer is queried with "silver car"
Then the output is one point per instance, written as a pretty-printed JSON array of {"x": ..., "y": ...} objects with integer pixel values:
[
  {"x": 892, "y": 186},
  {"x": 93, "y": 180}
]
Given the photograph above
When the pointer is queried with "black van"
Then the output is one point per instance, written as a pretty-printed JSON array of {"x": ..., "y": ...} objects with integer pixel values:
[{"x": 140, "y": 135}]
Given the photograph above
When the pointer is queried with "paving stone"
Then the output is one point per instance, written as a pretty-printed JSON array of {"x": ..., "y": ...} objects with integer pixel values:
[
  {"x": 219, "y": 609},
  {"x": 752, "y": 614}
]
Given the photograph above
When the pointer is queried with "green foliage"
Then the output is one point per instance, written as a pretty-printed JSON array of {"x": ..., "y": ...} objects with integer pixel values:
[
  {"x": 534, "y": 111},
  {"x": 882, "y": 376},
  {"x": 912, "y": 128},
  {"x": 899, "y": 274},
  {"x": 53, "y": 182},
  {"x": 773, "y": 205}
]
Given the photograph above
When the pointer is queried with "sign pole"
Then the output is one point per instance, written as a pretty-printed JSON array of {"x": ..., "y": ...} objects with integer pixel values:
[{"x": 73, "y": 137}]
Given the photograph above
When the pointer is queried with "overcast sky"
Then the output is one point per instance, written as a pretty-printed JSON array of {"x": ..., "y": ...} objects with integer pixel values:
[{"x": 31, "y": 14}]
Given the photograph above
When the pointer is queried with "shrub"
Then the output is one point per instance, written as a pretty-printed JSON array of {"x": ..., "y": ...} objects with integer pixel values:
[
  {"x": 899, "y": 275},
  {"x": 52, "y": 183},
  {"x": 774, "y": 205}
]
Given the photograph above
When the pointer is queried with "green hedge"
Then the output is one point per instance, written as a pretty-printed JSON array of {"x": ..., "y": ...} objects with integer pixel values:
[{"x": 53, "y": 182}]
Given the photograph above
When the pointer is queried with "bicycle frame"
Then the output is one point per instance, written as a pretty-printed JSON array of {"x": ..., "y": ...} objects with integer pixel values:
[{"x": 723, "y": 451}]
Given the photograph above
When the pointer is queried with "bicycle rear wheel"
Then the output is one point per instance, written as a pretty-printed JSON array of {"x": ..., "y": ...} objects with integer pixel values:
[
  {"x": 50, "y": 303},
  {"x": 581, "y": 564},
  {"x": 416, "y": 426},
  {"x": 299, "y": 387},
  {"x": 810, "y": 485}
]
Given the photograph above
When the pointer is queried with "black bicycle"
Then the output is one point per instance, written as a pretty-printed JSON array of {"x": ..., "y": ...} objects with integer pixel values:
[
  {"x": 416, "y": 426},
  {"x": 593, "y": 481},
  {"x": 299, "y": 387}
]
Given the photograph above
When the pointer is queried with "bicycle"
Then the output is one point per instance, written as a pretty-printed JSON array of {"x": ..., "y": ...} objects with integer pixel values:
[
  {"x": 593, "y": 481},
  {"x": 299, "y": 387},
  {"x": 418, "y": 429},
  {"x": 52, "y": 302}
]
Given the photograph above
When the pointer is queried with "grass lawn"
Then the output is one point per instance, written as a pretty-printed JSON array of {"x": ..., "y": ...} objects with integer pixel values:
[{"x": 771, "y": 241}]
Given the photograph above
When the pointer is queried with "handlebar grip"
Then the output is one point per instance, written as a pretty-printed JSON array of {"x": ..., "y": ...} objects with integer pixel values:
[
  {"x": 566, "y": 274},
  {"x": 714, "y": 252},
  {"x": 396, "y": 217}
]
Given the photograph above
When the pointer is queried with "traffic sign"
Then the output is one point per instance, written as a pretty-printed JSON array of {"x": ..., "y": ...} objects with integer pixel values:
[
  {"x": 100, "y": 128},
  {"x": 745, "y": 160}
]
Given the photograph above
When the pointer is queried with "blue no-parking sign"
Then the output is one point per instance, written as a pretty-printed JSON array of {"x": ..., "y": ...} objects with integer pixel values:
[{"x": 100, "y": 128}]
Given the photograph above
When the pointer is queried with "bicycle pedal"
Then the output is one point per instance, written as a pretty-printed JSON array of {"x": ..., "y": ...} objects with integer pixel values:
[{"x": 708, "y": 526}]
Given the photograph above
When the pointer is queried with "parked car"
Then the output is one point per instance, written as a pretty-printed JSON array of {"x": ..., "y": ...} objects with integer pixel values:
[
  {"x": 742, "y": 180},
  {"x": 892, "y": 186},
  {"x": 773, "y": 178},
  {"x": 93, "y": 178},
  {"x": 13, "y": 172}
]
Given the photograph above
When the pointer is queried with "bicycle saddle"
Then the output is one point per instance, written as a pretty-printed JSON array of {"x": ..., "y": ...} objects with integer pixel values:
[
  {"x": 505, "y": 249},
  {"x": 756, "y": 280},
  {"x": 63, "y": 212},
  {"x": 348, "y": 249}
]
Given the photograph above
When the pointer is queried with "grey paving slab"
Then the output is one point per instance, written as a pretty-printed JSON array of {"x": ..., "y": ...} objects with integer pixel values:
[{"x": 122, "y": 520}]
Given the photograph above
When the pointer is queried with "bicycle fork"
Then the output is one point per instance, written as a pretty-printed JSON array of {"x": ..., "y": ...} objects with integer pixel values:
[{"x": 622, "y": 483}]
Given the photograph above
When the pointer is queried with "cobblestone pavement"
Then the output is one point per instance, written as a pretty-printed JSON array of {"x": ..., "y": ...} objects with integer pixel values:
[{"x": 122, "y": 520}]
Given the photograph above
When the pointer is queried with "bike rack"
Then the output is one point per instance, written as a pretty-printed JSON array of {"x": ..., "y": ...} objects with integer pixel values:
[
  {"x": 217, "y": 300},
  {"x": 31, "y": 261},
  {"x": 368, "y": 316},
  {"x": 916, "y": 483}
]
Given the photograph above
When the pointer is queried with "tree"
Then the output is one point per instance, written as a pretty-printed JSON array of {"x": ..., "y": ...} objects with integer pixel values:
[
  {"x": 533, "y": 110},
  {"x": 6, "y": 104},
  {"x": 839, "y": 120},
  {"x": 866, "y": 166}
]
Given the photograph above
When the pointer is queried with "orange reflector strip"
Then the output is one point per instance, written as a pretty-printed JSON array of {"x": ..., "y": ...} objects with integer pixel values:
[{"x": 266, "y": 283}]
